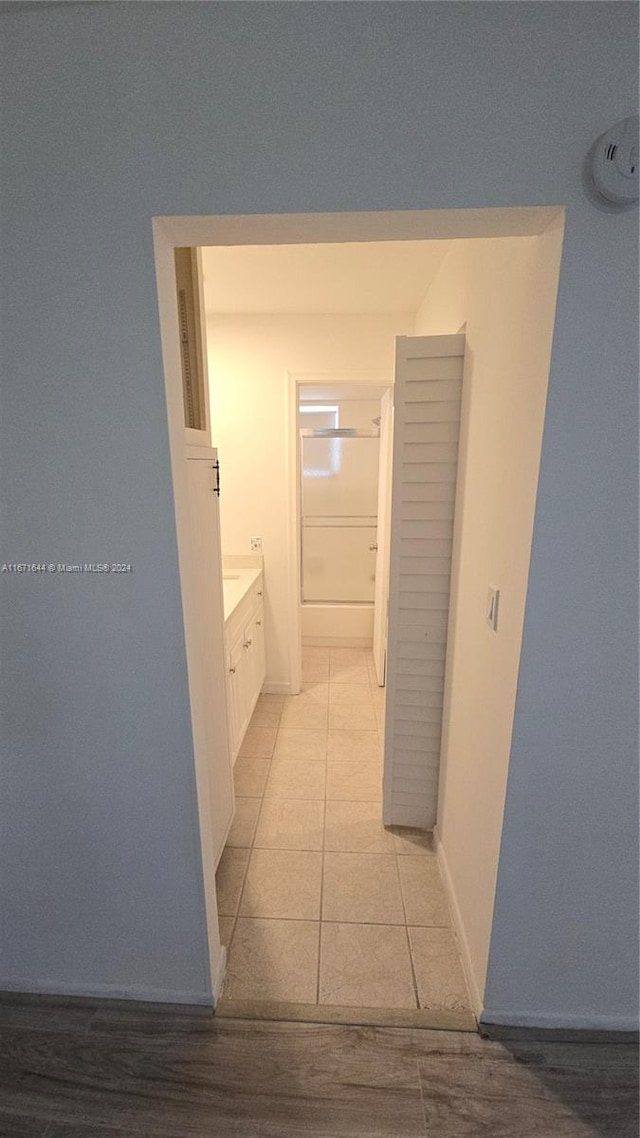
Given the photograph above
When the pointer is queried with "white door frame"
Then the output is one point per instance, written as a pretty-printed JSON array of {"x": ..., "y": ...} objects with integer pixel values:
[
  {"x": 279, "y": 229},
  {"x": 385, "y": 487},
  {"x": 381, "y": 377}
]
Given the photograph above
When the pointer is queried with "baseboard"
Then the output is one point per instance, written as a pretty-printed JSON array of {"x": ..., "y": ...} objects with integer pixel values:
[
  {"x": 558, "y": 1021},
  {"x": 138, "y": 994},
  {"x": 499, "y": 1018},
  {"x": 276, "y": 688},
  {"x": 458, "y": 925},
  {"x": 218, "y": 976}
]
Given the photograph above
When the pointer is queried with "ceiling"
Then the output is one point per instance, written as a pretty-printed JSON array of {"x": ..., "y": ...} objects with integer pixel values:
[{"x": 371, "y": 277}]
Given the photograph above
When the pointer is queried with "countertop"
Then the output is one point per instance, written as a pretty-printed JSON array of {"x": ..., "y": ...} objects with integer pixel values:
[{"x": 239, "y": 573}]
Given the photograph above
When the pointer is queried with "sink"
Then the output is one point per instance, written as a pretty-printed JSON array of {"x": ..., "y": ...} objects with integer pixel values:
[{"x": 230, "y": 576}]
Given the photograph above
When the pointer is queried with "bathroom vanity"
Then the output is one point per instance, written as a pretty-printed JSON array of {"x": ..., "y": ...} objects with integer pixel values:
[{"x": 243, "y": 590}]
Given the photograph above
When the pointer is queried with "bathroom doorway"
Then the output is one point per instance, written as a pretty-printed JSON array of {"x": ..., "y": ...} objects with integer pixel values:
[{"x": 472, "y": 284}]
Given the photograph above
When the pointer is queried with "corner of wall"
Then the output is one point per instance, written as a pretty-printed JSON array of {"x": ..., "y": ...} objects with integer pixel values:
[
  {"x": 458, "y": 928},
  {"x": 218, "y": 976}
]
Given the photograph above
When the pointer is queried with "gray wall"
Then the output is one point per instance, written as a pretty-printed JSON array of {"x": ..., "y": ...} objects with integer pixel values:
[{"x": 115, "y": 113}]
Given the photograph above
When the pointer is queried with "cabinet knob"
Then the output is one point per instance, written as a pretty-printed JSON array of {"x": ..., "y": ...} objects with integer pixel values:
[
  {"x": 259, "y": 623},
  {"x": 248, "y": 643},
  {"x": 233, "y": 671},
  {"x": 373, "y": 548},
  {"x": 260, "y": 593}
]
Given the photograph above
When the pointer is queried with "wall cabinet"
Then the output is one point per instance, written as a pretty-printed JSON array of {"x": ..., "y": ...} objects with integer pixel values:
[{"x": 245, "y": 654}]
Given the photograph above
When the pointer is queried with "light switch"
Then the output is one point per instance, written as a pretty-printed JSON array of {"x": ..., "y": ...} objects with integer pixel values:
[{"x": 493, "y": 601}]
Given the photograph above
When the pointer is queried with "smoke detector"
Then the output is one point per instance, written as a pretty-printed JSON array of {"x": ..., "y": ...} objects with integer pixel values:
[{"x": 613, "y": 164}]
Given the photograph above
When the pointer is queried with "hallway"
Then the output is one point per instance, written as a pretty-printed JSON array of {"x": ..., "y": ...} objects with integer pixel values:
[{"x": 320, "y": 904}]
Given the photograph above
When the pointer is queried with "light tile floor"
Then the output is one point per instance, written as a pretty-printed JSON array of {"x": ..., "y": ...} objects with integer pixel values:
[{"x": 319, "y": 903}]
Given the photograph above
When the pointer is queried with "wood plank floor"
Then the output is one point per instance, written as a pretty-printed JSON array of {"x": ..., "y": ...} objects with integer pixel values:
[{"x": 77, "y": 1072}]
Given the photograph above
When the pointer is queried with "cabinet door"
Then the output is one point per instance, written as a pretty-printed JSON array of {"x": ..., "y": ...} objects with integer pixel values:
[
  {"x": 237, "y": 694},
  {"x": 259, "y": 660},
  {"x": 248, "y": 647},
  {"x": 232, "y": 705},
  {"x": 211, "y": 737}
]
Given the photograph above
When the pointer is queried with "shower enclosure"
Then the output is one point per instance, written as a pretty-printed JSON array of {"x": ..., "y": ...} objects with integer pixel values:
[{"x": 339, "y": 505}]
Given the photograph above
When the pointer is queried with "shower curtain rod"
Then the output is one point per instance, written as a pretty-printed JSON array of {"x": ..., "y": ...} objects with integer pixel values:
[{"x": 337, "y": 433}]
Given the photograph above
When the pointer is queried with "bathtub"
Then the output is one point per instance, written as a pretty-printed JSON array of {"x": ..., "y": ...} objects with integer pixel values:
[{"x": 330, "y": 624}]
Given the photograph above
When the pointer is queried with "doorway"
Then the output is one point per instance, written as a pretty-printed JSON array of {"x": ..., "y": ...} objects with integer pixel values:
[
  {"x": 474, "y": 222},
  {"x": 308, "y": 775},
  {"x": 343, "y": 482}
]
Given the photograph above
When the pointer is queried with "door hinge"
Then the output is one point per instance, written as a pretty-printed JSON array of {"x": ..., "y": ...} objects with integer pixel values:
[{"x": 216, "y": 488}]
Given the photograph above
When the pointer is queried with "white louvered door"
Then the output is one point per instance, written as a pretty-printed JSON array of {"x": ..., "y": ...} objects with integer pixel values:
[{"x": 427, "y": 397}]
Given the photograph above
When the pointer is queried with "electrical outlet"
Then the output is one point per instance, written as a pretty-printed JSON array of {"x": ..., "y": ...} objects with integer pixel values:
[{"x": 256, "y": 544}]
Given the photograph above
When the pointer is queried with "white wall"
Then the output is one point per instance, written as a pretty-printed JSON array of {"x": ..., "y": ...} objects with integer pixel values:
[
  {"x": 248, "y": 360},
  {"x": 235, "y": 108},
  {"x": 505, "y": 293}
]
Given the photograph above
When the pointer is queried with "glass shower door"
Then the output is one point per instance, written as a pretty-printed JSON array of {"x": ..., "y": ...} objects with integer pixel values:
[{"x": 339, "y": 515}]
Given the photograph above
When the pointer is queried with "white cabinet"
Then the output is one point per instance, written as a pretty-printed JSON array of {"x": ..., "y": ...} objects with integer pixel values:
[
  {"x": 236, "y": 688},
  {"x": 207, "y": 683},
  {"x": 245, "y": 654},
  {"x": 257, "y": 648}
]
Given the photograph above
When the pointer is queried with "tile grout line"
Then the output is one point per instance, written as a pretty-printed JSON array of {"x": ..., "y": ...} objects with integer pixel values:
[
  {"x": 324, "y": 839},
  {"x": 414, "y": 978},
  {"x": 252, "y": 846},
  {"x": 324, "y": 830},
  {"x": 333, "y": 920}
]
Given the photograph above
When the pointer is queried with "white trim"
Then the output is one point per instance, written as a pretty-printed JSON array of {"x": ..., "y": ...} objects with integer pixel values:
[
  {"x": 195, "y": 438},
  {"x": 560, "y": 1021},
  {"x": 109, "y": 992},
  {"x": 276, "y": 688},
  {"x": 458, "y": 926},
  {"x": 383, "y": 538},
  {"x": 293, "y": 535},
  {"x": 170, "y": 232},
  {"x": 219, "y": 976},
  {"x": 208, "y": 933},
  {"x": 382, "y": 225},
  {"x": 365, "y": 377}
]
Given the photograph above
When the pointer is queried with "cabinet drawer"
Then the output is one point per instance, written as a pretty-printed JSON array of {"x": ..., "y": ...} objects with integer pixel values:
[{"x": 245, "y": 652}]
